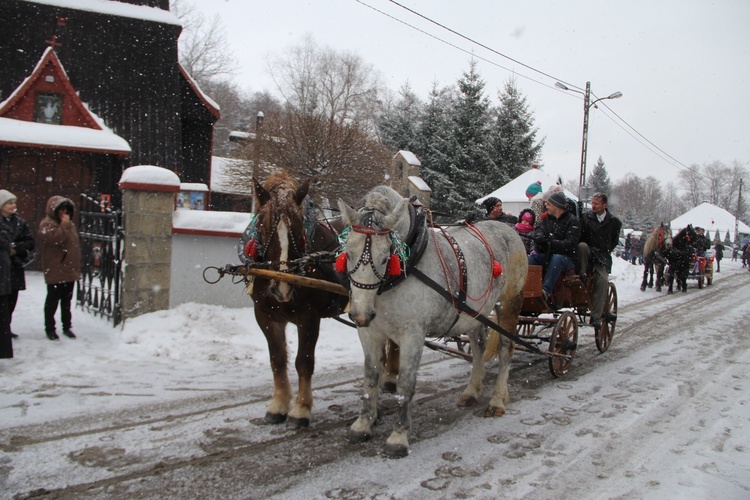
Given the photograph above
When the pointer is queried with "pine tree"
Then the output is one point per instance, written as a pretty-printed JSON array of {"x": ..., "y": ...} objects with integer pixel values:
[
  {"x": 599, "y": 179},
  {"x": 435, "y": 145},
  {"x": 399, "y": 124},
  {"x": 474, "y": 164},
  {"x": 514, "y": 143}
]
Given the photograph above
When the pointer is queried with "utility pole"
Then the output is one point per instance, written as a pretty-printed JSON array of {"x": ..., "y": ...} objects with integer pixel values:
[
  {"x": 737, "y": 216},
  {"x": 256, "y": 157}
]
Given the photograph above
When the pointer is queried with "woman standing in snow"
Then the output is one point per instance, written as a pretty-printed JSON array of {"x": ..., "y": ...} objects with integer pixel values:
[
  {"x": 6, "y": 238},
  {"x": 61, "y": 263},
  {"x": 21, "y": 249}
]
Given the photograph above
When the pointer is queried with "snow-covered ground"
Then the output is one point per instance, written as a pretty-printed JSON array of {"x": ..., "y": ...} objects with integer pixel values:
[{"x": 198, "y": 349}]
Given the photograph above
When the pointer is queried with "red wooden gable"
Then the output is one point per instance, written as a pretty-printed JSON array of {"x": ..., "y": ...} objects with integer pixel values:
[{"x": 48, "y": 79}]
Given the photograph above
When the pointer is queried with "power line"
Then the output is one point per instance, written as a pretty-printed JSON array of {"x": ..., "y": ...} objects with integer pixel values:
[{"x": 676, "y": 163}]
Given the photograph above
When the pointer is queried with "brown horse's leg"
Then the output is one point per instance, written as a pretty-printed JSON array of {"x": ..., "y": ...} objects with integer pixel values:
[
  {"x": 308, "y": 330},
  {"x": 278, "y": 407},
  {"x": 391, "y": 364}
]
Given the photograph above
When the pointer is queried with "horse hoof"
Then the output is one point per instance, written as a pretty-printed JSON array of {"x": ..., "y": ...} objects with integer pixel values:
[
  {"x": 389, "y": 388},
  {"x": 658, "y": 289},
  {"x": 298, "y": 423},
  {"x": 467, "y": 401},
  {"x": 358, "y": 436},
  {"x": 396, "y": 450},
  {"x": 643, "y": 288},
  {"x": 275, "y": 418},
  {"x": 494, "y": 411}
]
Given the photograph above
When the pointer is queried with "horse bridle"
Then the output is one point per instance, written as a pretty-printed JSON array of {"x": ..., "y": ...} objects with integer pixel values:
[{"x": 366, "y": 257}]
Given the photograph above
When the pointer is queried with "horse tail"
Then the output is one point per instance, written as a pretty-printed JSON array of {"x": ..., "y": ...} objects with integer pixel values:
[{"x": 491, "y": 345}]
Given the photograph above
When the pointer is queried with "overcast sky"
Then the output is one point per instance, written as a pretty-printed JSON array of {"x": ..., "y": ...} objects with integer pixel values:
[{"x": 683, "y": 66}]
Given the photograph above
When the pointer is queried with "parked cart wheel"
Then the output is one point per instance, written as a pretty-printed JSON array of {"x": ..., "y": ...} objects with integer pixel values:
[
  {"x": 609, "y": 320},
  {"x": 564, "y": 340}
]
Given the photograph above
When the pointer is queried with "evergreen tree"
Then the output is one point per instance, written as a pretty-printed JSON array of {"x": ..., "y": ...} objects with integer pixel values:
[
  {"x": 599, "y": 179},
  {"x": 514, "y": 145},
  {"x": 435, "y": 145},
  {"x": 474, "y": 164},
  {"x": 398, "y": 126}
]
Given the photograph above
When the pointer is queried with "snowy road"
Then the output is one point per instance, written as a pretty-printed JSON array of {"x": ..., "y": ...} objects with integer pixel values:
[{"x": 665, "y": 412}]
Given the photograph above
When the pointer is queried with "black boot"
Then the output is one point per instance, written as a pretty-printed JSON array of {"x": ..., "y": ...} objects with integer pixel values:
[
  {"x": 69, "y": 333},
  {"x": 52, "y": 335}
]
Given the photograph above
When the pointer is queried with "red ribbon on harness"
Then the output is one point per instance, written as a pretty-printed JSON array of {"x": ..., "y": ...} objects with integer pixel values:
[
  {"x": 341, "y": 263},
  {"x": 497, "y": 269},
  {"x": 394, "y": 265},
  {"x": 251, "y": 249}
]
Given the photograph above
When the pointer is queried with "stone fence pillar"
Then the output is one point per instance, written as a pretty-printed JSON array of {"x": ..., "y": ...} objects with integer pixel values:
[{"x": 148, "y": 205}]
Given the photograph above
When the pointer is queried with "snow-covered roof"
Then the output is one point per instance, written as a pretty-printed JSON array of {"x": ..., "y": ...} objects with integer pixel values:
[
  {"x": 419, "y": 183},
  {"x": 214, "y": 108},
  {"x": 193, "y": 186},
  {"x": 410, "y": 158},
  {"x": 712, "y": 219},
  {"x": 515, "y": 190},
  {"x": 23, "y": 133},
  {"x": 114, "y": 8}
]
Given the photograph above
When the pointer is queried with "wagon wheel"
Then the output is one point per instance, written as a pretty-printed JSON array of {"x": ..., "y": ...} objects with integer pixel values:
[
  {"x": 564, "y": 340},
  {"x": 609, "y": 320}
]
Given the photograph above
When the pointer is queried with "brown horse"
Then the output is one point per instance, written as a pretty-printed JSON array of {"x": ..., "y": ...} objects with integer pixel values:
[
  {"x": 282, "y": 234},
  {"x": 654, "y": 257}
]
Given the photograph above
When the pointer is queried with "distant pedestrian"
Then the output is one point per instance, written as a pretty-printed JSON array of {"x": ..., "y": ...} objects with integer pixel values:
[
  {"x": 61, "y": 263},
  {"x": 21, "y": 249},
  {"x": 719, "y": 249}
]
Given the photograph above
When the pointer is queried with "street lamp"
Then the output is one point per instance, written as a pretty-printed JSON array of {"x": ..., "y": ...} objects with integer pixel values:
[{"x": 586, "y": 106}]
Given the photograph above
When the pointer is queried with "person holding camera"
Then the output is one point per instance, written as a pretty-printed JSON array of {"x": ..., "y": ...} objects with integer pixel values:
[{"x": 61, "y": 263}]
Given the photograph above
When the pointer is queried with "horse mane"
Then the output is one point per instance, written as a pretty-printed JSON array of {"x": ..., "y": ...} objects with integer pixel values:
[
  {"x": 684, "y": 237},
  {"x": 652, "y": 243},
  {"x": 377, "y": 204}
]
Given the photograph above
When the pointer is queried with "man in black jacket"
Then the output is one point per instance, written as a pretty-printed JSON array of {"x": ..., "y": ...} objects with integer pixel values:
[
  {"x": 600, "y": 234},
  {"x": 555, "y": 240}
]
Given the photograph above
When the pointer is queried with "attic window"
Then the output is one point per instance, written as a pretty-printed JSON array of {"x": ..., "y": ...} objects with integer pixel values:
[{"x": 48, "y": 108}]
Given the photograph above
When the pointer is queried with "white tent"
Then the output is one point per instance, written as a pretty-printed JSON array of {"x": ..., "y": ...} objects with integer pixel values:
[
  {"x": 711, "y": 218},
  {"x": 513, "y": 194}
]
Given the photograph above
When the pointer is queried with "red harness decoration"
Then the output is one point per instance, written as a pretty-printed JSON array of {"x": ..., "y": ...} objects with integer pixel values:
[{"x": 497, "y": 269}]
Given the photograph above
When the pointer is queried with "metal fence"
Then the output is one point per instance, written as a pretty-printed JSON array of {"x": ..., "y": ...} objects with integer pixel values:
[{"x": 101, "y": 234}]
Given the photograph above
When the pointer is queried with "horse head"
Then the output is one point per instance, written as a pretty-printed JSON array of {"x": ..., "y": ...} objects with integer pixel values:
[
  {"x": 370, "y": 248},
  {"x": 665, "y": 236},
  {"x": 281, "y": 226}
]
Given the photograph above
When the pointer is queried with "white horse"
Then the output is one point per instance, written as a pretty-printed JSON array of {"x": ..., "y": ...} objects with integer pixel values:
[{"x": 413, "y": 310}]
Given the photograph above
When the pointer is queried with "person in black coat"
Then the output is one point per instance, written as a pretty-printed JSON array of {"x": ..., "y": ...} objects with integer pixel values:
[
  {"x": 555, "y": 243},
  {"x": 494, "y": 208},
  {"x": 6, "y": 239},
  {"x": 719, "y": 249},
  {"x": 21, "y": 251},
  {"x": 600, "y": 234}
]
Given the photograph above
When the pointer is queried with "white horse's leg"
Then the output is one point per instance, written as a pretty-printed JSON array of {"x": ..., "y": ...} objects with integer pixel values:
[
  {"x": 500, "y": 396},
  {"x": 372, "y": 346},
  {"x": 411, "y": 346},
  {"x": 471, "y": 394}
]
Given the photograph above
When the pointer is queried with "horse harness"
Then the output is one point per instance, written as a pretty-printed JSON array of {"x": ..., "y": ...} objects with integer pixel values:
[{"x": 416, "y": 241}]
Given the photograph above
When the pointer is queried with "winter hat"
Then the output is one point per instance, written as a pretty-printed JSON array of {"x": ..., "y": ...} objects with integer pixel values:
[
  {"x": 5, "y": 197},
  {"x": 490, "y": 203},
  {"x": 534, "y": 189},
  {"x": 555, "y": 188},
  {"x": 558, "y": 199},
  {"x": 528, "y": 216}
]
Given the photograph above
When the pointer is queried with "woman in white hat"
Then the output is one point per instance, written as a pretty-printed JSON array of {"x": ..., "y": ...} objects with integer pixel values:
[{"x": 22, "y": 248}]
